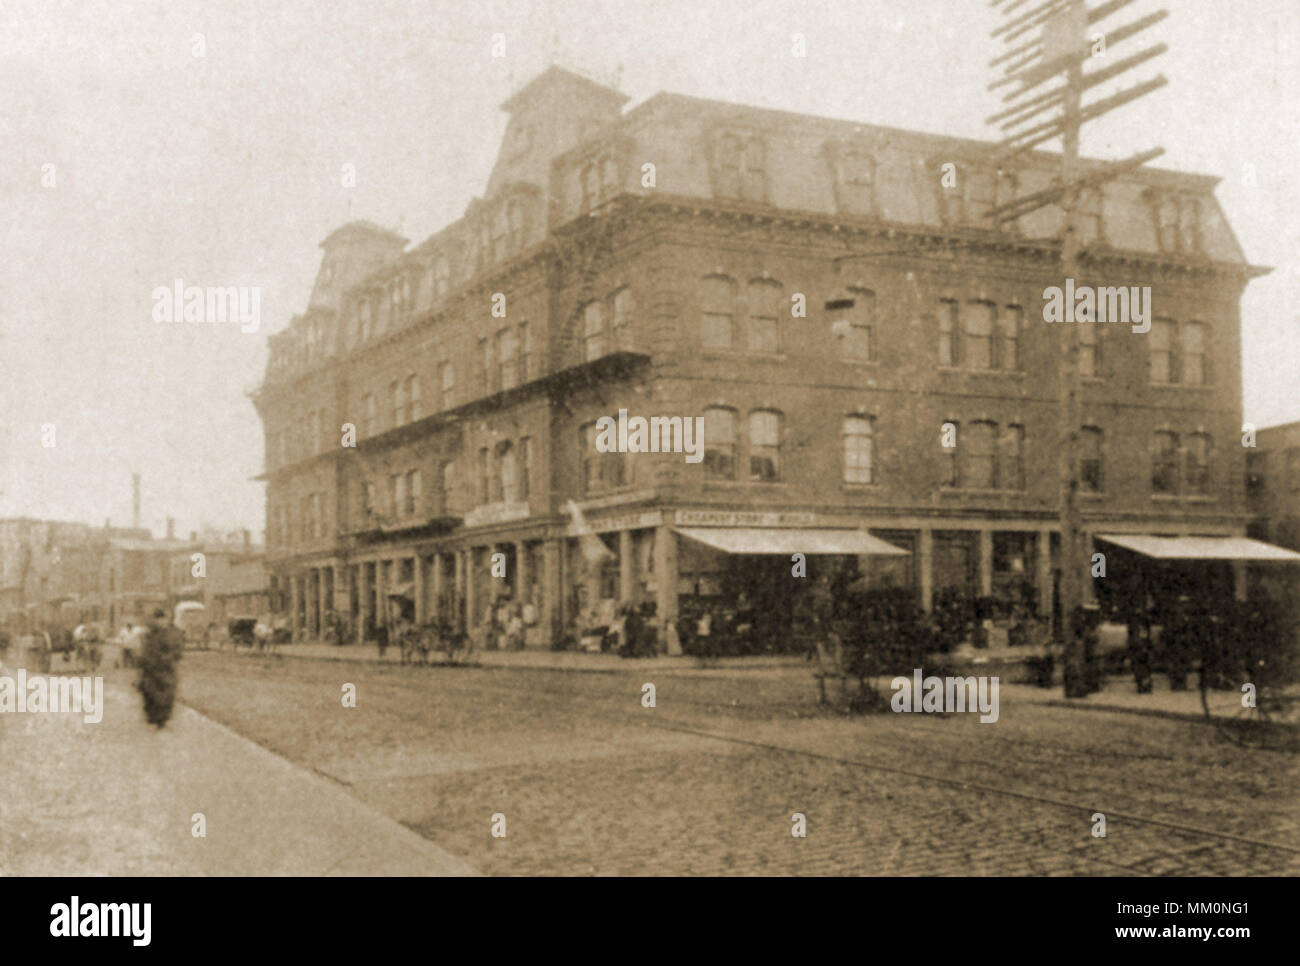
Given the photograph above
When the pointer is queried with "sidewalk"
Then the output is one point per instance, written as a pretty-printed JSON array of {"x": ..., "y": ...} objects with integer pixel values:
[
  {"x": 557, "y": 660},
  {"x": 118, "y": 798},
  {"x": 1118, "y": 693}
]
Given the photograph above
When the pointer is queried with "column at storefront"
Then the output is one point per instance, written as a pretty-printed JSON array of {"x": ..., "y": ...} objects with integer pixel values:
[
  {"x": 551, "y": 591},
  {"x": 1044, "y": 565},
  {"x": 295, "y": 591},
  {"x": 627, "y": 591},
  {"x": 925, "y": 566},
  {"x": 1089, "y": 590},
  {"x": 521, "y": 570},
  {"x": 363, "y": 600},
  {"x": 460, "y": 616},
  {"x": 666, "y": 587},
  {"x": 435, "y": 611},
  {"x": 417, "y": 587},
  {"x": 986, "y": 562},
  {"x": 471, "y": 591},
  {"x": 381, "y": 593}
]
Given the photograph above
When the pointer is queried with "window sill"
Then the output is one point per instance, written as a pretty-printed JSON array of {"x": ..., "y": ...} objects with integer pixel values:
[
  {"x": 1179, "y": 385},
  {"x": 972, "y": 491},
  {"x": 1006, "y": 373}
]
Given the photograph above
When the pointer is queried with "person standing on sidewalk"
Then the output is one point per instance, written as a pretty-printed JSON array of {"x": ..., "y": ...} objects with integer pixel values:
[{"x": 163, "y": 646}]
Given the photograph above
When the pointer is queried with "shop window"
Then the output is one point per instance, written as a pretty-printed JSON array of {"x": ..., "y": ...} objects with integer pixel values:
[
  {"x": 720, "y": 444},
  {"x": 1199, "y": 448},
  {"x": 764, "y": 310},
  {"x": 764, "y": 446},
  {"x": 1090, "y": 467},
  {"x": 1164, "y": 463},
  {"x": 718, "y": 298},
  {"x": 859, "y": 439}
]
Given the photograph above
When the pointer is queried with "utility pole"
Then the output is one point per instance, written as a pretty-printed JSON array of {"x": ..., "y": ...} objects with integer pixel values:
[{"x": 1068, "y": 36}]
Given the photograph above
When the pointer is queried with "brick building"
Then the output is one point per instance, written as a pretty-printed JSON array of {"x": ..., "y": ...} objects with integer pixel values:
[{"x": 818, "y": 291}]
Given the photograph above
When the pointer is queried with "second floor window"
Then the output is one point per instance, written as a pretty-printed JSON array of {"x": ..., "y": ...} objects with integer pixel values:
[
  {"x": 977, "y": 334},
  {"x": 859, "y": 437},
  {"x": 507, "y": 358},
  {"x": 1162, "y": 352},
  {"x": 1164, "y": 463},
  {"x": 1198, "y": 464},
  {"x": 1192, "y": 368},
  {"x": 1089, "y": 351},
  {"x": 764, "y": 446},
  {"x": 412, "y": 505},
  {"x": 525, "y": 467},
  {"x": 853, "y": 324},
  {"x": 600, "y": 471},
  {"x": 764, "y": 310},
  {"x": 621, "y": 324},
  {"x": 720, "y": 444},
  {"x": 508, "y": 462},
  {"x": 1090, "y": 446},
  {"x": 948, "y": 310},
  {"x": 593, "y": 320},
  {"x": 448, "y": 378}
]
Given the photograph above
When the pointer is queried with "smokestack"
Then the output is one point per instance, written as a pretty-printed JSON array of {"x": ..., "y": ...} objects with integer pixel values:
[
  {"x": 135, "y": 500},
  {"x": 171, "y": 528}
]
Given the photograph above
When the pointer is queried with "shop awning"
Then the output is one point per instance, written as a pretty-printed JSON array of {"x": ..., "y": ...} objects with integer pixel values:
[
  {"x": 1201, "y": 548},
  {"x": 786, "y": 542}
]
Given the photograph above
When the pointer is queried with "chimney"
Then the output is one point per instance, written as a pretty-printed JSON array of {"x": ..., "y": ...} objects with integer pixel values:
[
  {"x": 135, "y": 500},
  {"x": 171, "y": 528}
]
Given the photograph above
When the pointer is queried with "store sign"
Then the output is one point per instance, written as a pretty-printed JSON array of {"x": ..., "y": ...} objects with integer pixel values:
[
  {"x": 491, "y": 513},
  {"x": 624, "y": 521},
  {"x": 734, "y": 518}
]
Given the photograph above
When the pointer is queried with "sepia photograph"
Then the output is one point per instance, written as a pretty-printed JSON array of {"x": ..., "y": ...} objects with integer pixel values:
[{"x": 587, "y": 438}]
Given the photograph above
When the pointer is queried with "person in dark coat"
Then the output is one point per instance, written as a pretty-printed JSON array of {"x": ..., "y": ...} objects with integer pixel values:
[{"x": 163, "y": 646}]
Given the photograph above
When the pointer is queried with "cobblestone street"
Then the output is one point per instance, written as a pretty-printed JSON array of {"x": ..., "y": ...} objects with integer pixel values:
[{"x": 590, "y": 782}]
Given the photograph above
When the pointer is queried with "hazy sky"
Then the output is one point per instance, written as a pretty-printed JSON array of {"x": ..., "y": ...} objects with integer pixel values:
[{"x": 225, "y": 170}]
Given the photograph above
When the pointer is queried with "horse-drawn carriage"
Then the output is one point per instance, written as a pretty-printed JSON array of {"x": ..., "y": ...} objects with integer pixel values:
[
  {"x": 417, "y": 641},
  {"x": 77, "y": 650}
]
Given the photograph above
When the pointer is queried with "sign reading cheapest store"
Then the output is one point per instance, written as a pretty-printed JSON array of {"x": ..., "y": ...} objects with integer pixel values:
[{"x": 737, "y": 518}]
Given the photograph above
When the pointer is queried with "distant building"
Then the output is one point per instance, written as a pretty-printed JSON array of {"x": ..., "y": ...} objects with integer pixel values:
[
  {"x": 817, "y": 291},
  {"x": 233, "y": 574}
]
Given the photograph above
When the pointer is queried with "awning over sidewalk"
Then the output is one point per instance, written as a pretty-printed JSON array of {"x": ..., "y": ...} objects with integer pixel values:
[
  {"x": 786, "y": 542},
  {"x": 1201, "y": 548}
]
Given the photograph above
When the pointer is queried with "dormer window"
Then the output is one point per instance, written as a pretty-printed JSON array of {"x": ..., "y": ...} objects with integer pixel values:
[
  {"x": 1178, "y": 221},
  {"x": 739, "y": 167}
]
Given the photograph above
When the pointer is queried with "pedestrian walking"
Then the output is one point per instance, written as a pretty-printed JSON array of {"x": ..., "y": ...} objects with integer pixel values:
[{"x": 158, "y": 680}]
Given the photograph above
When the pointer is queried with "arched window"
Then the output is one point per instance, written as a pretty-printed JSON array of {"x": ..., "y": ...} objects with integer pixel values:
[
  {"x": 764, "y": 445},
  {"x": 720, "y": 443}
]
